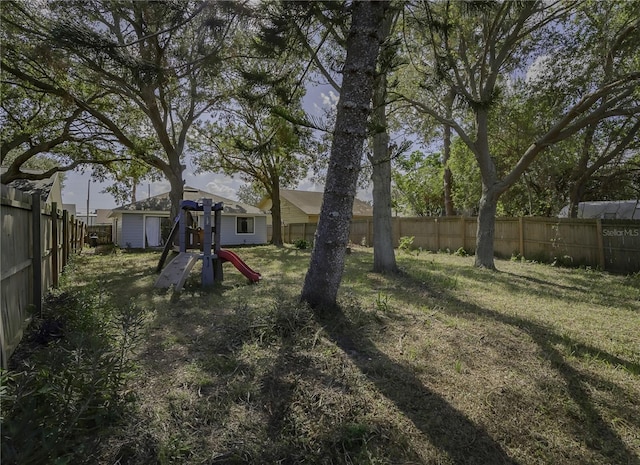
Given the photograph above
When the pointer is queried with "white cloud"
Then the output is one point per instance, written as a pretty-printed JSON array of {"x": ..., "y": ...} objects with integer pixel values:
[
  {"x": 330, "y": 100},
  {"x": 157, "y": 188},
  {"x": 223, "y": 189}
]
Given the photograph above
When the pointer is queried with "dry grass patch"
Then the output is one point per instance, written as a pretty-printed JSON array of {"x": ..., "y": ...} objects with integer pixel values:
[{"x": 443, "y": 364}]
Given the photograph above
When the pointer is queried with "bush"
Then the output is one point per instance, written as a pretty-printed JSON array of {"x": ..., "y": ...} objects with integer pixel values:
[
  {"x": 301, "y": 244},
  {"x": 70, "y": 380}
]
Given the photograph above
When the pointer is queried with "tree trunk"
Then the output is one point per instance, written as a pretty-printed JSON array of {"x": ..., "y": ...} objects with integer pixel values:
[
  {"x": 486, "y": 231},
  {"x": 177, "y": 191},
  {"x": 581, "y": 172},
  {"x": 448, "y": 176},
  {"x": 384, "y": 259},
  {"x": 575, "y": 195},
  {"x": 327, "y": 258},
  {"x": 276, "y": 215}
]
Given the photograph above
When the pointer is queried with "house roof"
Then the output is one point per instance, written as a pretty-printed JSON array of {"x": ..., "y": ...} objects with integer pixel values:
[
  {"x": 162, "y": 203},
  {"x": 311, "y": 202},
  {"x": 44, "y": 186}
]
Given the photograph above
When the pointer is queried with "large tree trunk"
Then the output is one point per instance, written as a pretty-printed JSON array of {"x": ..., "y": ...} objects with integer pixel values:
[
  {"x": 488, "y": 206},
  {"x": 276, "y": 215},
  {"x": 327, "y": 259},
  {"x": 384, "y": 259},
  {"x": 177, "y": 191},
  {"x": 485, "y": 234}
]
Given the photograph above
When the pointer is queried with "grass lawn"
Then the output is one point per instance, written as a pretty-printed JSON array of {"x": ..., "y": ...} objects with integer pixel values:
[{"x": 443, "y": 364}]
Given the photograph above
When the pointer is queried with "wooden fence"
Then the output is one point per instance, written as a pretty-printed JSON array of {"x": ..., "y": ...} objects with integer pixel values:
[
  {"x": 36, "y": 242},
  {"x": 612, "y": 245},
  {"x": 102, "y": 233}
]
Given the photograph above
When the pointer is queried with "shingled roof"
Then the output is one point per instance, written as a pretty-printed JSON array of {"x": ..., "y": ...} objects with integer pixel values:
[
  {"x": 310, "y": 202},
  {"x": 28, "y": 186},
  {"x": 162, "y": 203}
]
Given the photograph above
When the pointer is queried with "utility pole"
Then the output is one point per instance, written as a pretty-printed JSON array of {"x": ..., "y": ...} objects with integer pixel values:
[{"x": 88, "y": 195}]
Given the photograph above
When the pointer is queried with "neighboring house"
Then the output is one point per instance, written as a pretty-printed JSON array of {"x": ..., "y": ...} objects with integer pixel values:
[
  {"x": 607, "y": 210},
  {"x": 103, "y": 216},
  {"x": 90, "y": 219},
  {"x": 304, "y": 207},
  {"x": 146, "y": 223},
  {"x": 50, "y": 188},
  {"x": 71, "y": 208}
]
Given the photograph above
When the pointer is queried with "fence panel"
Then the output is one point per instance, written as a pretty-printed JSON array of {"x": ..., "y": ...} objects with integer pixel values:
[
  {"x": 621, "y": 245},
  {"x": 507, "y": 238},
  {"x": 609, "y": 244},
  {"x": 16, "y": 269},
  {"x": 424, "y": 233},
  {"x": 36, "y": 242},
  {"x": 361, "y": 233},
  {"x": 102, "y": 232}
]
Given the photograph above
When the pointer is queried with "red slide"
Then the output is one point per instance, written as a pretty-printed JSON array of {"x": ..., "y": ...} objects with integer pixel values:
[{"x": 229, "y": 256}]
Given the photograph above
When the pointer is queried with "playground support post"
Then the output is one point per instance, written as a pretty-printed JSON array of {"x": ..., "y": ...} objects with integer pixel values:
[
  {"x": 207, "y": 261},
  {"x": 182, "y": 232},
  {"x": 217, "y": 227}
]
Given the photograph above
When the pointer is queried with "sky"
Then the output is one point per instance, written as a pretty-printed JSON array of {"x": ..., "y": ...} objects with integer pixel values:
[{"x": 78, "y": 186}]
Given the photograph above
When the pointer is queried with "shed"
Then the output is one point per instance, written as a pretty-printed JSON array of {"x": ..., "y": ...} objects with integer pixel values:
[
  {"x": 304, "y": 207},
  {"x": 146, "y": 223},
  {"x": 607, "y": 210}
]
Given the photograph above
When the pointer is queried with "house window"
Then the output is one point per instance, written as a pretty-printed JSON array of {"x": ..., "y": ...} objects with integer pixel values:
[{"x": 244, "y": 225}]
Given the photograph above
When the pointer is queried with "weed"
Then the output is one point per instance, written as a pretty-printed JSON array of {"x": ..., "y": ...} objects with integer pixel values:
[
  {"x": 461, "y": 252},
  {"x": 562, "y": 261},
  {"x": 458, "y": 366},
  {"x": 382, "y": 303},
  {"x": 406, "y": 243},
  {"x": 301, "y": 244}
]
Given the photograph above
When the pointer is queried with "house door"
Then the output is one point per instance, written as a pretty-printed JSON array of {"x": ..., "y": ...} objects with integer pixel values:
[{"x": 152, "y": 231}]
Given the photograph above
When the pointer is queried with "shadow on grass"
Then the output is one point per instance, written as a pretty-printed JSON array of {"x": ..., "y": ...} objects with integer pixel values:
[
  {"x": 581, "y": 289},
  {"x": 447, "y": 428},
  {"x": 513, "y": 283},
  {"x": 594, "y": 430}
]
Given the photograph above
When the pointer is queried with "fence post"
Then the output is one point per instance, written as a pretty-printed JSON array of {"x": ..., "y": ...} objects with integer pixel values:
[
  {"x": 521, "y": 236},
  {"x": 36, "y": 259},
  {"x": 437, "y": 228},
  {"x": 54, "y": 244},
  {"x": 65, "y": 238},
  {"x": 464, "y": 233},
  {"x": 600, "y": 240},
  {"x": 72, "y": 233},
  {"x": 72, "y": 224}
]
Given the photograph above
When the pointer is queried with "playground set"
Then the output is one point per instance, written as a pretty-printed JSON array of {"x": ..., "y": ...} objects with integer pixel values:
[{"x": 212, "y": 256}]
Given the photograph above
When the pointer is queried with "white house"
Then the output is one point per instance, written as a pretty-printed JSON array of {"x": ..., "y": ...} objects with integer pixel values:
[{"x": 146, "y": 223}]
